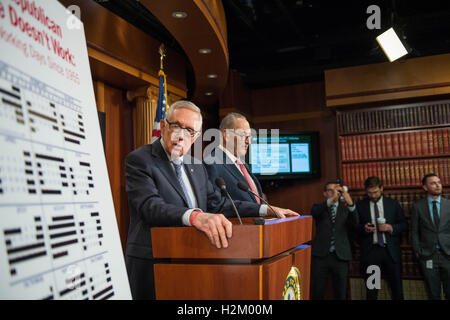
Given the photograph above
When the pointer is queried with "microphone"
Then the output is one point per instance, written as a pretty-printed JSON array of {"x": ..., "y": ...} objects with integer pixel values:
[
  {"x": 223, "y": 187},
  {"x": 241, "y": 185}
]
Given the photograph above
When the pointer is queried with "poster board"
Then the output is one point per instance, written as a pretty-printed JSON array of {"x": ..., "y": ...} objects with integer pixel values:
[{"x": 58, "y": 232}]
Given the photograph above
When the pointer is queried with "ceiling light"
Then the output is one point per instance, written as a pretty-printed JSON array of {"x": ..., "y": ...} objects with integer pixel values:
[
  {"x": 212, "y": 76},
  {"x": 204, "y": 51},
  {"x": 179, "y": 14},
  {"x": 391, "y": 45},
  {"x": 208, "y": 93}
]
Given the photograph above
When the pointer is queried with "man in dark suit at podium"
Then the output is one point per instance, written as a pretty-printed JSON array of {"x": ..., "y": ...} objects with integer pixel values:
[
  {"x": 382, "y": 222},
  {"x": 430, "y": 235},
  {"x": 331, "y": 250},
  {"x": 227, "y": 161},
  {"x": 166, "y": 188}
]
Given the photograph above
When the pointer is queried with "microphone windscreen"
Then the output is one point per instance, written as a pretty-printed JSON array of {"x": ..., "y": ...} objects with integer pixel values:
[
  {"x": 220, "y": 183},
  {"x": 241, "y": 185}
]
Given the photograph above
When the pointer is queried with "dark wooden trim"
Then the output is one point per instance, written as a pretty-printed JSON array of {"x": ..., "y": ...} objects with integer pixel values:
[{"x": 386, "y": 91}]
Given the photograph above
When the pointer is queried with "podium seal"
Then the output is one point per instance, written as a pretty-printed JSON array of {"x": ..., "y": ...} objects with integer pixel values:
[{"x": 292, "y": 286}]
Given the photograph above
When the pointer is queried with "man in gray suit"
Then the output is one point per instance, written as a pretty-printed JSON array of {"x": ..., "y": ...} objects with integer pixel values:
[{"x": 430, "y": 221}]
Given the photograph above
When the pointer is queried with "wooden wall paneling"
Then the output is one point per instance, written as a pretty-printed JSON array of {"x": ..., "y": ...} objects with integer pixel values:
[
  {"x": 406, "y": 78},
  {"x": 302, "y": 260},
  {"x": 118, "y": 145},
  {"x": 207, "y": 281}
]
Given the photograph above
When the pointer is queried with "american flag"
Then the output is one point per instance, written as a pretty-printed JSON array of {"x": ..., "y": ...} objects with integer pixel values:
[{"x": 162, "y": 106}]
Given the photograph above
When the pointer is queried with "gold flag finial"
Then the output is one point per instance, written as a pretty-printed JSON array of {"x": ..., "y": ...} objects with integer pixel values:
[{"x": 162, "y": 53}]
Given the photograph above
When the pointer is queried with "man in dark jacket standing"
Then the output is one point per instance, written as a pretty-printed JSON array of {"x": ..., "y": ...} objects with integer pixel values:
[
  {"x": 430, "y": 234},
  {"x": 381, "y": 222},
  {"x": 331, "y": 249}
]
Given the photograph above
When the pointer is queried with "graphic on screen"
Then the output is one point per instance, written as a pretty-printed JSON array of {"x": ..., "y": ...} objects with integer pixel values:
[
  {"x": 300, "y": 157},
  {"x": 276, "y": 158},
  {"x": 282, "y": 154}
]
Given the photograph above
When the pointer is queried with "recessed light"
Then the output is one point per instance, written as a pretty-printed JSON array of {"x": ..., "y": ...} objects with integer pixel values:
[
  {"x": 208, "y": 93},
  {"x": 179, "y": 14},
  {"x": 212, "y": 76},
  {"x": 204, "y": 51}
]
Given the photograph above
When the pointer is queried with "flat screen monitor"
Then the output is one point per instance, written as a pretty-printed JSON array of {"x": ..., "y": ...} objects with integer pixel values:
[{"x": 286, "y": 155}]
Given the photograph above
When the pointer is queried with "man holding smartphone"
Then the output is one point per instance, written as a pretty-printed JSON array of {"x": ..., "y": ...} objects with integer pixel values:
[{"x": 381, "y": 222}]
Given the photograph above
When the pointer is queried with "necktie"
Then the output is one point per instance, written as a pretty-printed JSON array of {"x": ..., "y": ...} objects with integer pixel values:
[
  {"x": 379, "y": 234},
  {"x": 333, "y": 220},
  {"x": 248, "y": 178},
  {"x": 435, "y": 214},
  {"x": 178, "y": 164}
]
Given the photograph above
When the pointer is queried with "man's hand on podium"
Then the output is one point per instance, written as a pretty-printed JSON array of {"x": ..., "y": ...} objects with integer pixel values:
[
  {"x": 215, "y": 226},
  {"x": 282, "y": 213}
]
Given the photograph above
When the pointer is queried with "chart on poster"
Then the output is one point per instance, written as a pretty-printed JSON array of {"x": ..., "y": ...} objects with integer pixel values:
[{"x": 58, "y": 234}]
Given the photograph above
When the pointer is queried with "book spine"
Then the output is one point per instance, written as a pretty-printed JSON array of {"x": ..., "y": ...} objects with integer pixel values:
[
  {"x": 440, "y": 141},
  {"x": 445, "y": 141},
  {"x": 424, "y": 144},
  {"x": 417, "y": 171},
  {"x": 388, "y": 140},
  {"x": 407, "y": 144},
  {"x": 401, "y": 145},
  {"x": 395, "y": 148},
  {"x": 383, "y": 175},
  {"x": 407, "y": 173},
  {"x": 431, "y": 149},
  {"x": 350, "y": 147},
  {"x": 364, "y": 146},
  {"x": 434, "y": 135},
  {"x": 397, "y": 173},
  {"x": 379, "y": 172},
  {"x": 402, "y": 178},
  {"x": 412, "y": 144},
  {"x": 378, "y": 146}
]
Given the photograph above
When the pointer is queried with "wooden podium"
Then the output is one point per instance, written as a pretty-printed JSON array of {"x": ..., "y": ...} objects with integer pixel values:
[{"x": 253, "y": 267}]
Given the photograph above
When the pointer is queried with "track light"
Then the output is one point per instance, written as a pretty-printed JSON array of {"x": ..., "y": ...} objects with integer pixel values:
[{"x": 391, "y": 45}]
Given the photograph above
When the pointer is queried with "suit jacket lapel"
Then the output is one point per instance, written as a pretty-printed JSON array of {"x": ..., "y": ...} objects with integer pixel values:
[
  {"x": 366, "y": 210},
  {"x": 166, "y": 168},
  {"x": 387, "y": 211},
  {"x": 444, "y": 213},
  {"x": 425, "y": 210}
]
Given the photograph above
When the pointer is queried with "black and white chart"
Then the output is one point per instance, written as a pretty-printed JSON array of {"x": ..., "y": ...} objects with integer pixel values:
[{"x": 58, "y": 233}]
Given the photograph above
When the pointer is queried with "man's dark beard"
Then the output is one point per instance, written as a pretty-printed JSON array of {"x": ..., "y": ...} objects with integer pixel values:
[
  {"x": 375, "y": 200},
  {"x": 434, "y": 194}
]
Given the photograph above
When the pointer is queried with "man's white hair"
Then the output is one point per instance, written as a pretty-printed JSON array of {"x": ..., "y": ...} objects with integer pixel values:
[{"x": 184, "y": 104}]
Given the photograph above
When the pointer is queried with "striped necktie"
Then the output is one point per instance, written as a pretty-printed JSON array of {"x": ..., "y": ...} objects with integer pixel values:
[
  {"x": 178, "y": 164},
  {"x": 333, "y": 220}
]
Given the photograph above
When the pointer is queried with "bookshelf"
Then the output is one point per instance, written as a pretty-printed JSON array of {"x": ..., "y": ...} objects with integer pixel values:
[{"x": 399, "y": 144}]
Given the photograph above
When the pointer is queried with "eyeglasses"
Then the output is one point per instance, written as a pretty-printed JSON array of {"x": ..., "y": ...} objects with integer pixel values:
[
  {"x": 243, "y": 135},
  {"x": 176, "y": 128}
]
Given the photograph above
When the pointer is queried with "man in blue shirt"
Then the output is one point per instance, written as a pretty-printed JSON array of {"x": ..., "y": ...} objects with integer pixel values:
[{"x": 430, "y": 234}]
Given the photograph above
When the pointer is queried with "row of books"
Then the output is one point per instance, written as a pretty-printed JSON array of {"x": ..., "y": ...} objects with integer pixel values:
[
  {"x": 400, "y": 173},
  {"x": 379, "y": 120},
  {"x": 391, "y": 145}
]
